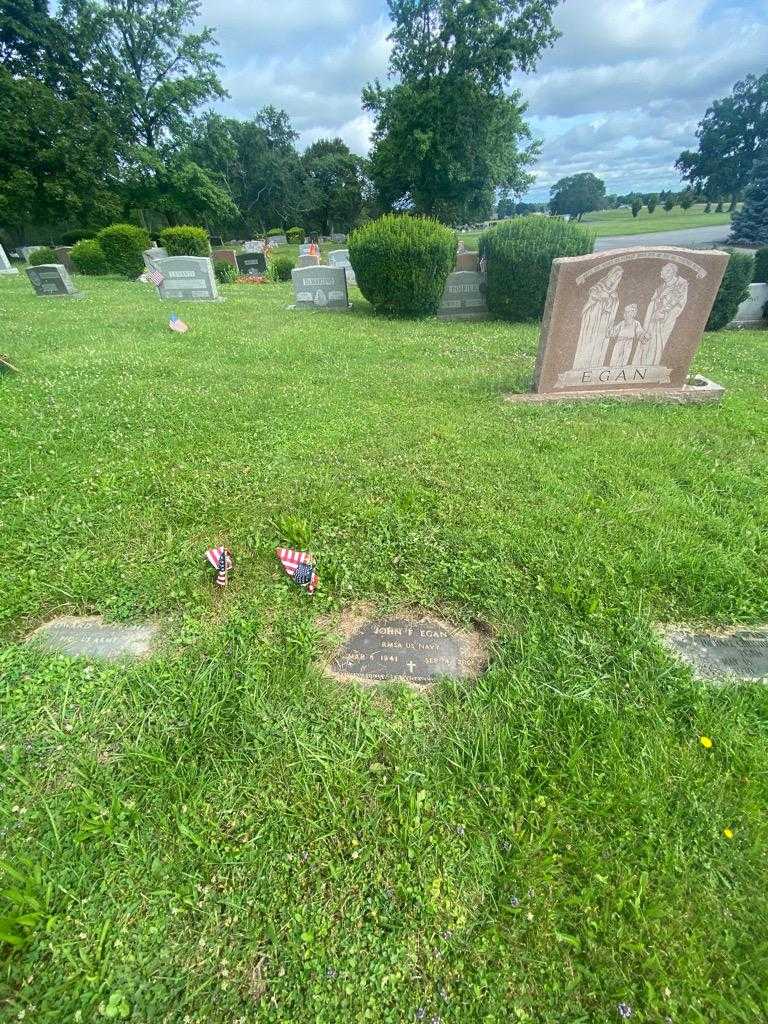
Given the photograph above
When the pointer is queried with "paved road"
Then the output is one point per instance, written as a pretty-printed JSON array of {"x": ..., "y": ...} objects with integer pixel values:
[{"x": 693, "y": 237}]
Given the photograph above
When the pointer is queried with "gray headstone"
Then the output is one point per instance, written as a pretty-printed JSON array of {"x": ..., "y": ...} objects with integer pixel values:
[
  {"x": 404, "y": 649},
  {"x": 51, "y": 280},
  {"x": 226, "y": 256},
  {"x": 62, "y": 255},
  {"x": 253, "y": 246},
  {"x": 216, "y": 241},
  {"x": 91, "y": 637},
  {"x": 278, "y": 240},
  {"x": 340, "y": 258},
  {"x": 742, "y": 654},
  {"x": 25, "y": 250},
  {"x": 5, "y": 266},
  {"x": 751, "y": 311},
  {"x": 187, "y": 277},
  {"x": 338, "y": 237},
  {"x": 308, "y": 260},
  {"x": 252, "y": 263},
  {"x": 320, "y": 288},
  {"x": 304, "y": 249},
  {"x": 150, "y": 256},
  {"x": 464, "y": 296}
]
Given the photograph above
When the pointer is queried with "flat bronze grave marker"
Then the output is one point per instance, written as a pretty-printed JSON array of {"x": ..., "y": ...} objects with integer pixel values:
[
  {"x": 416, "y": 650},
  {"x": 91, "y": 637},
  {"x": 742, "y": 653}
]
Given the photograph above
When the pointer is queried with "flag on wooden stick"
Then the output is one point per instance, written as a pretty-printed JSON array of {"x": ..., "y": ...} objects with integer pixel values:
[
  {"x": 177, "y": 325},
  {"x": 221, "y": 560},
  {"x": 300, "y": 567},
  {"x": 155, "y": 276}
]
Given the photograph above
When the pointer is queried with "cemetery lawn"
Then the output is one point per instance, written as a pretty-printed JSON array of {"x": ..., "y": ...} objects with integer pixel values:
[{"x": 223, "y": 833}]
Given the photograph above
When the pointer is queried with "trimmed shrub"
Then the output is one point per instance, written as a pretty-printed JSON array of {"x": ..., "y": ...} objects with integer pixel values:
[
  {"x": 44, "y": 255},
  {"x": 295, "y": 235},
  {"x": 185, "y": 240},
  {"x": 280, "y": 267},
  {"x": 519, "y": 256},
  {"x": 733, "y": 290},
  {"x": 401, "y": 263},
  {"x": 760, "y": 275},
  {"x": 76, "y": 235},
  {"x": 224, "y": 271},
  {"x": 275, "y": 231},
  {"x": 88, "y": 258},
  {"x": 123, "y": 245}
]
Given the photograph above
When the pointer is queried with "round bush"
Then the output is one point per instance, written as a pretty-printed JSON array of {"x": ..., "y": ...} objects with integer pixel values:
[
  {"x": 224, "y": 271},
  {"x": 123, "y": 245},
  {"x": 401, "y": 263},
  {"x": 280, "y": 267},
  {"x": 44, "y": 255},
  {"x": 88, "y": 258},
  {"x": 519, "y": 256},
  {"x": 760, "y": 275},
  {"x": 275, "y": 231},
  {"x": 185, "y": 240},
  {"x": 76, "y": 235},
  {"x": 295, "y": 235},
  {"x": 733, "y": 290}
]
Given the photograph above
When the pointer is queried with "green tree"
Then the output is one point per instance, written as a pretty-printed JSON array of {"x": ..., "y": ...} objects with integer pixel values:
[
  {"x": 732, "y": 135},
  {"x": 637, "y": 205},
  {"x": 652, "y": 203},
  {"x": 750, "y": 223},
  {"x": 669, "y": 203},
  {"x": 335, "y": 185},
  {"x": 686, "y": 200},
  {"x": 577, "y": 195},
  {"x": 447, "y": 135}
]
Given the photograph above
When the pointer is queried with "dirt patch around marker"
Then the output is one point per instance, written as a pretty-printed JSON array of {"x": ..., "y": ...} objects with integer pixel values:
[{"x": 400, "y": 651}]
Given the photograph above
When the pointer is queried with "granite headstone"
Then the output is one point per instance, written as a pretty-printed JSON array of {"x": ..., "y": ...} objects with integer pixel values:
[
  {"x": 254, "y": 264},
  {"x": 63, "y": 257},
  {"x": 464, "y": 296},
  {"x": 752, "y": 311},
  {"x": 187, "y": 277},
  {"x": 91, "y": 637},
  {"x": 150, "y": 256},
  {"x": 626, "y": 320},
  {"x": 741, "y": 653},
  {"x": 320, "y": 288},
  {"x": 340, "y": 258},
  {"x": 308, "y": 260},
  {"x": 226, "y": 256},
  {"x": 5, "y": 266},
  {"x": 51, "y": 280},
  {"x": 278, "y": 240},
  {"x": 417, "y": 650}
]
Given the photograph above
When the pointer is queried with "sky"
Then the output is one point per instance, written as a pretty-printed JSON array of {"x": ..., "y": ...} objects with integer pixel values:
[{"x": 620, "y": 93}]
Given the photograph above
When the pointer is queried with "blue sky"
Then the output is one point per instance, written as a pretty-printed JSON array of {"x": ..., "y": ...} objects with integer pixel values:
[{"x": 620, "y": 93}]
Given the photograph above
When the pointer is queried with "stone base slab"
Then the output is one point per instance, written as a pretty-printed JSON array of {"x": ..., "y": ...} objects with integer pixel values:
[{"x": 698, "y": 391}]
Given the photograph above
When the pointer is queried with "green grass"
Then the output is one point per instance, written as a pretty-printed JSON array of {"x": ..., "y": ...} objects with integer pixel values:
[
  {"x": 609, "y": 223},
  {"x": 224, "y": 833}
]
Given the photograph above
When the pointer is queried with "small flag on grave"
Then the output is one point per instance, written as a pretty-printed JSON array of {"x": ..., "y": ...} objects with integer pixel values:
[
  {"x": 155, "y": 276},
  {"x": 177, "y": 325},
  {"x": 300, "y": 567},
  {"x": 221, "y": 560}
]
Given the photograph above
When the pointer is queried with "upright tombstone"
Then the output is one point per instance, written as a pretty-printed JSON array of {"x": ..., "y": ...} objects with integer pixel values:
[
  {"x": 62, "y": 255},
  {"x": 254, "y": 264},
  {"x": 151, "y": 256},
  {"x": 216, "y": 241},
  {"x": 627, "y": 323},
  {"x": 320, "y": 288},
  {"x": 308, "y": 260},
  {"x": 466, "y": 260},
  {"x": 752, "y": 312},
  {"x": 338, "y": 236},
  {"x": 226, "y": 256},
  {"x": 340, "y": 258},
  {"x": 5, "y": 266},
  {"x": 51, "y": 280},
  {"x": 252, "y": 245},
  {"x": 278, "y": 240},
  {"x": 187, "y": 277},
  {"x": 464, "y": 296},
  {"x": 27, "y": 250},
  {"x": 304, "y": 248}
]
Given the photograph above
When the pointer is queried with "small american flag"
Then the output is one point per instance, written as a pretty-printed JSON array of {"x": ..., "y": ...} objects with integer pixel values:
[
  {"x": 300, "y": 567},
  {"x": 155, "y": 276},
  {"x": 221, "y": 560},
  {"x": 177, "y": 325}
]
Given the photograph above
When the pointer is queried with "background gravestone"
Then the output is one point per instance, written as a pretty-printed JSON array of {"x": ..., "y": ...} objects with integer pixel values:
[
  {"x": 340, "y": 258},
  {"x": 741, "y": 653},
  {"x": 5, "y": 266},
  {"x": 467, "y": 260},
  {"x": 252, "y": 246},
  {"x": 187, "y": 277},
  {"x": 304, "y": 248},
  {"x": 252, "y": 263},
  {"x": 25, "y": 250},
  {"x": 338, "y": 237},
  {"x": 51, "y": 280},
  {"x": 626, "y": 321},
  {"x": 216, "y": 241},
  {"x": 751, "y": 312},
  {"x": 464, "y": 296},
  {"x": 226, "y": 256},
  {"x": 150, "y": 256},
  {"x": 308, "y": 260},
  {"x": 278, "y": 240},
  {"x": 62, "y": 255},
  {"x": 320, "y": 288}
]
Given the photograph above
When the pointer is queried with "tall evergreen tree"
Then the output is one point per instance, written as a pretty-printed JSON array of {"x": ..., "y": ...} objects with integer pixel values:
[{"x": 750, "y": 223}]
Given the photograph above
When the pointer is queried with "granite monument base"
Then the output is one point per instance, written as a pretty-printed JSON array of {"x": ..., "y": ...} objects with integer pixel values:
[{"x": 698, "y": 391}]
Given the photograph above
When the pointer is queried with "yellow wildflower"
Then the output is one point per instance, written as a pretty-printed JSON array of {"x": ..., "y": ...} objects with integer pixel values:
[
  {"x": 706, "y": 742},
  {"x": 728, "y": 833}
]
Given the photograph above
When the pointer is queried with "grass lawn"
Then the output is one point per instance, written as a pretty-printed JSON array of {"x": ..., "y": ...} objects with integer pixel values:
[
  {"x": 609, "y": 223},
  {"x": 223, "y": 833}
]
